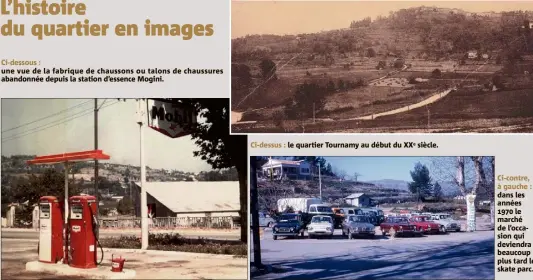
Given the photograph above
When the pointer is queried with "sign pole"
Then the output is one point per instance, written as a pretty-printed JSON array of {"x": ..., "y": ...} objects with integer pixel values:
[
  {"x": 144, "y": 206},
  {"x": 65, "y": 218}
]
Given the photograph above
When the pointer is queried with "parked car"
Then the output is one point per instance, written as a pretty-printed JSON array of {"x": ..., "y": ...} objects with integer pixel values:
[
  {"x": 290, "y": 225},
  {"x": 397, "y": 226},
  {"x": 446, "y": 222},
  {"x": 423, "y": 224},
  {"x": 320, "y": 225},
  {"x": 376, "y": 215},
  {"x": 358, "y": 225},
  {"x": 265, "y": 220}
]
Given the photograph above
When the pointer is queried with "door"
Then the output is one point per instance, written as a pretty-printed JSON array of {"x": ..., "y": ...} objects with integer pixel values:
[{"x": 45, "y": 233}]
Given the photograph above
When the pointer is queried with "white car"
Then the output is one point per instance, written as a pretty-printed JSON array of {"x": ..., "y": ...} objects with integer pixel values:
[
  {"x": 320, "y": 225},
  {"x": 446, "y": 222}
]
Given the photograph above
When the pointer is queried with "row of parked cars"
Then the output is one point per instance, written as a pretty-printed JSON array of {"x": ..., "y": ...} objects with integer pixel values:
[{"x": 294, "y": 225}]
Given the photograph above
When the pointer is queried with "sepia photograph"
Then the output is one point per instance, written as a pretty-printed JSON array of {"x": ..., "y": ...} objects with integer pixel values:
[
  {"x": 372, "y": 217},
  {"x": 123, "y": 189},
  {"x": 382, "y": 67}
]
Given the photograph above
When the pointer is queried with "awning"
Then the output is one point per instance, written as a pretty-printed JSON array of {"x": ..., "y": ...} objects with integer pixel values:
[{"x": 70, "y": 157}]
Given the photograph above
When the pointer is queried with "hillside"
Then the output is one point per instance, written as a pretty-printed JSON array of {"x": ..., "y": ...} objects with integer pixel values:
[
  {"x": 341, "y": 78},
  {"x": 332, "y": 191},
  {"x": 15, "y": 166}
]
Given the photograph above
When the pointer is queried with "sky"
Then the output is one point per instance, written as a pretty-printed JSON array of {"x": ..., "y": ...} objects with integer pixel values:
[
  {"x": 118, "y": 133},
  {"x": 378, "y": 168},
  {"x": 296, "y": 17}
]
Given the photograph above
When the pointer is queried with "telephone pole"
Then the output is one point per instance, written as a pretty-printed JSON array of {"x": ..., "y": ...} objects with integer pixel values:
[
  {"x": 254, "y": 209},
  {"x": 96, "y": 164}
]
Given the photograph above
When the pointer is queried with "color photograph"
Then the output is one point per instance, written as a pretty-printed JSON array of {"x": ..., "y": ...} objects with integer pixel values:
[
  {"x": 372, "y": 217},
  {"x": 122, "y": 189}
]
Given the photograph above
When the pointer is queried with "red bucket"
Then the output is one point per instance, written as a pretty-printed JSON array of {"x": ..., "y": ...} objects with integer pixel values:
[{"x": 117, "y": 264}]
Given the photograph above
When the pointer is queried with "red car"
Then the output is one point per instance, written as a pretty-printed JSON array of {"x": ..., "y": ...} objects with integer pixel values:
[
  {"x": 397, "y": 226},
  {"x": 423, "y": 224}
]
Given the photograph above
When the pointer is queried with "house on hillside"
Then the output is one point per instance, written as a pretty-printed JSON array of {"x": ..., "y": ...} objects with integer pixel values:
[
  {"x": 358, "y": 200},
  {"x": 472, "y": 54},
  {"x": 296, "y": 170},
  {"x": 189, "y": 199}
]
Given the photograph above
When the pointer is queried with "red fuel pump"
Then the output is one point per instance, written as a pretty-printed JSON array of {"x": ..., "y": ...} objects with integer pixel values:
[
  {"x": 83, "y": 225},
  {"x": 50, "y": 229}
]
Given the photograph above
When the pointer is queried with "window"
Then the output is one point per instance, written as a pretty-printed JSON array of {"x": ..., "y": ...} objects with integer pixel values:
[
  {"x": 312, "y": 209},
  {"x": 45, "y": 211},
  {"x": 324, "y": 209}
]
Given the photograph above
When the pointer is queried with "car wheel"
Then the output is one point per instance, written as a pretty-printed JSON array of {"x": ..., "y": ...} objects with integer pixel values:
[
  {"x": 311, "y": 236},
  {"x": 392, "y": 233},
  {"x": 275, "y": 237},
  {"x": 458, "y": 230},
  {"x": 442, "y": 229}
]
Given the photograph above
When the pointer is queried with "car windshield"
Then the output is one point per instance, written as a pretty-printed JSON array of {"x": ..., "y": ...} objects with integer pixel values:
[
  {"x": 324, "y": 209},
  {"x": 399, "y": 220},
  {"x": 321, "y": 220},
  {"x": 288, "y": 218},
  {"x": 359, "y": 219}
]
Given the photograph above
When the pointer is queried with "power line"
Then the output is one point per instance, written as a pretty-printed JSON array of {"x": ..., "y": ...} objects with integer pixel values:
[
  {"x": 47, "y": 117},
  {"x": 87, "y": 110},
  {"x": 73, "y": 117}
]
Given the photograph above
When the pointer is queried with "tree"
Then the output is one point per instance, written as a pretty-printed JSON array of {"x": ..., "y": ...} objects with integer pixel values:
[
  {"x": 436, "y": 73},
  {"x": 370, "y": 52},
  {"x": 437, "y": 191},
  {"x": 421, "y": 184},
  {"x": 268, "y": 69},
  {"x": 308, "y": 96},
  {"x": 50, "y": 183},
  {"x": 125, "y": 206},
  {"x": 356, "y": 176},
  {"x": 218, "y": 147}
]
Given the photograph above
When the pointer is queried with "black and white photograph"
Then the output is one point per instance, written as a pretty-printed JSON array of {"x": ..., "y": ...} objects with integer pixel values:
[
  {"x": 382, "y": 67},
  {"x": 381, "y": 217}
]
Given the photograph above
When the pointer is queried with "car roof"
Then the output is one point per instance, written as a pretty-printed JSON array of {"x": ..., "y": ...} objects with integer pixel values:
[{"x": 322, "y": 216}]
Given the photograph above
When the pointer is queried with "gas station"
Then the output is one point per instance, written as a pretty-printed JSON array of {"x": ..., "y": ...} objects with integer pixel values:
[{"x": 68, "y": 239}]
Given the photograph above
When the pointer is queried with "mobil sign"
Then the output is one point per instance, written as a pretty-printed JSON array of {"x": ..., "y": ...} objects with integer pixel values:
[{"x": 170, "y": 117}]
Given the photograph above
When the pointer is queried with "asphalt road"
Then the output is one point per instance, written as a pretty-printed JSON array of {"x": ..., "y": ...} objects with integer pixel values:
[
  {"x": 103, "y": 234},
  {"x": 461, "y": 255},
  {"x": 15, "y": 254}
]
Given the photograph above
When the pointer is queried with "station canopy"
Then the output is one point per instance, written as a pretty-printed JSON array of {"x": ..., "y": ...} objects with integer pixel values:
[{"x": 70, "y": 157}]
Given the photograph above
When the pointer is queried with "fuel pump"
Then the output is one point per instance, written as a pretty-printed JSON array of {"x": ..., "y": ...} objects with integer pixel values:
[
  {"x": 82, "y": 227},
  {"x": 50, "y": 248}
]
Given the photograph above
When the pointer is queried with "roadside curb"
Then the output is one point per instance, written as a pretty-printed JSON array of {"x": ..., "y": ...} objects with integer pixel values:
[{"x": 170, "y": 253}]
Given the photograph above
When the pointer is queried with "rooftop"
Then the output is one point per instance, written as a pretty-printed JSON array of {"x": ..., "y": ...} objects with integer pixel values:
[{"x": 182, "y": 197}]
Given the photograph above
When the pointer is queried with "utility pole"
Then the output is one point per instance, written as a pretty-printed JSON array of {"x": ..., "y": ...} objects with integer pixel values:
[
  {"x": 96, "y": 164},
  {"x": 144, "y": 206},
  {"x": 255, "y": 213},
  {"x": 319, "y": 183}
]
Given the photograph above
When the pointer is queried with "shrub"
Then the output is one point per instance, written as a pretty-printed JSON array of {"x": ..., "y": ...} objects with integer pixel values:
[
  {"x": 175, "y": 242},
  {"x": 436, "y": 73}
]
